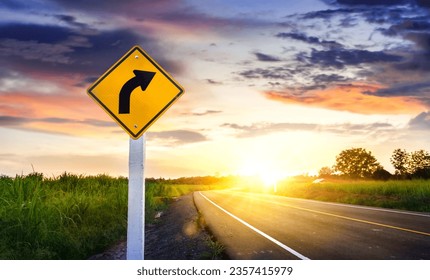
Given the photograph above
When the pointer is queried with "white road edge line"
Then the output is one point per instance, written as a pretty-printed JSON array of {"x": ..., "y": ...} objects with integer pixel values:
[{"x": 283, "y": 246}]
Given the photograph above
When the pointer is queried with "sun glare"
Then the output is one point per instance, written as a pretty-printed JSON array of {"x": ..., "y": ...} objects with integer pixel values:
[
  {"x": 267, "y": 174},
  {"x": 269, "y": 179}
]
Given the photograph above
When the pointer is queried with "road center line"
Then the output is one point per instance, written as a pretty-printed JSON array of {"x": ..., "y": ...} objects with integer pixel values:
[
  {"x": 349, "y": 205},
  {"x": 347, "y": 218},
  {"x": 283, "y": 246},
  {"x": 361, "y": 207}
]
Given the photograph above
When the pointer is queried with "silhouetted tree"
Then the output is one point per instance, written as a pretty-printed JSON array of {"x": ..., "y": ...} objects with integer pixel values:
[
  {"x": 411, "y": 165},
  {"x": 381, "y": 174},
  {"x": 400, "y": 160},
  {"x": 356, "y": 163},
  {"x": 420, "y": 164},
  {"x": 325, "y": 172}
]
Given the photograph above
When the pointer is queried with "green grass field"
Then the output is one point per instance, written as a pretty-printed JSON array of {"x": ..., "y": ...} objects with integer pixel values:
[
  {"x": 71, "y": 216},
  {"x": 76, "y": 216},
  {"x": 413, "y": 195}
]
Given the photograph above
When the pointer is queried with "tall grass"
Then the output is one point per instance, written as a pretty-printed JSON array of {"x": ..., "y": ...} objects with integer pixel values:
[
  {"x": 69, "y": 217},
  {"x": 411, "y": 195}
]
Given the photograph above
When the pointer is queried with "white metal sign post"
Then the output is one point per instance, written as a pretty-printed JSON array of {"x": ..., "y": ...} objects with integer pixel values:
[
  {"x": 135, "y": 92},
  {"x": 136, "y": 200}
]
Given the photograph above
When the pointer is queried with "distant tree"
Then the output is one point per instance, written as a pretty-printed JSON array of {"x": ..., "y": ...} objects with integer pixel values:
[
  {"x": 356, "y": 163},
  {"x": 420, "y": 164},
  {"x": 400, "y": 160},
  {"x": 325, "y": 172},
  {"x": 381, "y": 174},
  {"x": 411, "y": 165}
]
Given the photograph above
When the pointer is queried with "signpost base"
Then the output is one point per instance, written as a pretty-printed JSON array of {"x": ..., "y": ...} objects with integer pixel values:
[{"x": 136, "y": 200}]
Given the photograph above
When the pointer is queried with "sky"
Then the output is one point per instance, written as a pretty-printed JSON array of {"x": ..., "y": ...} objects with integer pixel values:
[{"x": 275, "y": 86}]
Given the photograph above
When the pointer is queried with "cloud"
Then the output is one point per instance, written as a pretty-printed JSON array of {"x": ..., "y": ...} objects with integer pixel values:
[
  {"x": 418, "y": 60},
  {"x": 424, "y": 3},
  {"x": 260, "y": 129},
  {"x": 213, "y": 82},
  {"x": 349, "y": 97},
  {"x": 308, "y": 39},
  {"x": 397, "y": 64},
  {"x": 11, "y": 121},
  {"x": 265, "y": 57},
  {"x": 340, "y": 58},
  {"x": 327, "y": 14},
  {"x": 329, "y": 79},
  {"x": 405, "y": 89},
  {"x": 35, "y": 49},
  {"x": 206, "y": 112},
  {"x": 277, "y": 73},
  {"x": 421, "y": 121},
  {"x": 176, "y": 137},
  {"x": 373, "y": 2}
]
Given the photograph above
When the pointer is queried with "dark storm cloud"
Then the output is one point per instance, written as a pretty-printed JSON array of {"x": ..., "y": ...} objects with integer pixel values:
[
  {"x": 423, "y": 3},
  {"x": 405, "y": 89},
  {"x": 74, "y": 47},
  {"x": 265, "y": 57},
  {"x": 12, "y": 4},
  {"x": 174, "y": 12},
  {"x": 418, "y": 90},
  {"x": 339, "y": 58},
  {"x": 136, "y": 6},
  {"x": 373, "y": 2},
  {"x": 272, "y": 73},
  {"x": 308, "y": 39},
  {"x": 417, "y": 31},
  {"x": 56, "y": 49},
  {"x": 328, "y": 79},
  {"x": 405, "y": 25},
  {"x": 34, "y": 32},
  {"x": 327, "y": 14},
  {"x": 71, "y": 20}
]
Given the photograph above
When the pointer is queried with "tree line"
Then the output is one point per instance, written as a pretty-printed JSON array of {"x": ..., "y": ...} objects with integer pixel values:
[{"x": 358, "y": 163}]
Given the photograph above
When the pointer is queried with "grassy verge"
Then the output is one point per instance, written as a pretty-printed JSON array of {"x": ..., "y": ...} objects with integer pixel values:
[
  {"x": 72, "y": 216},
  {"x": 413, "y": 195},
  {"x": 68, "y": 217},
  {"x": 158, "y": 194}
]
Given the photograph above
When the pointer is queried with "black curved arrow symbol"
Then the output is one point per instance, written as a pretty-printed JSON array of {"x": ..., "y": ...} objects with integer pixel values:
[{"x": 142, "y": 80}]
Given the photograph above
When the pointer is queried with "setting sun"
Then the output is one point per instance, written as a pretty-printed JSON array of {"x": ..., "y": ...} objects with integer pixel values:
[
  {"x": 270, "y": 179},
  {"x": 266, "y": 173}
]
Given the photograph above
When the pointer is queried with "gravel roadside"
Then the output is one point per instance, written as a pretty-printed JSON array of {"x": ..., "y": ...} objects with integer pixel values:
[{"x": 179, "y": 234}]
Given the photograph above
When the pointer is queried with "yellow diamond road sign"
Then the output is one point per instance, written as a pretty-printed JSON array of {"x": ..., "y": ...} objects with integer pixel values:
[{"x": 135, "y": 91}]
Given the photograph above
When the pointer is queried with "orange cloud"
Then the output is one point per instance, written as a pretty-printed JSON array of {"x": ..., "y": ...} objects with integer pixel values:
[
  {"x": 352, "y": 98},
  {"x": 74, "y": 114}
]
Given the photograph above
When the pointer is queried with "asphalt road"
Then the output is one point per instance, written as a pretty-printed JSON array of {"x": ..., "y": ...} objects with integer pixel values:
[{"x": 260, "y": 226}]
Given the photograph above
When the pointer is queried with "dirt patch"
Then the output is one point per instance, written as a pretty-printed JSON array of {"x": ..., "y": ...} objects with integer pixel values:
[{"x": 178, "y": 234}]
